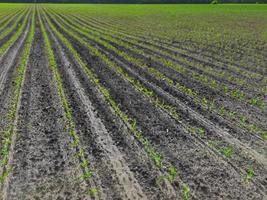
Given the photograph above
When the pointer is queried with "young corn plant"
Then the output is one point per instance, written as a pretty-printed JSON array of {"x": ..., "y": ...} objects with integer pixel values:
[
  {"x": 254, "y": 101},
  {"x": 228, "y": 152},
  {"x": 250, "y": 174},
  {"x": 185, "y": 192},
  {"x": 172, "y": 174},
  {"x": 131, "y": 123},
  {"x": 93, "y": 191},
  {"x": 199, "y": 131}
]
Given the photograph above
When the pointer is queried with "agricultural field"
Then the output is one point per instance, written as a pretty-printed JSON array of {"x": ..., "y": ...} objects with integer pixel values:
[{"x": 151, "y": 102}]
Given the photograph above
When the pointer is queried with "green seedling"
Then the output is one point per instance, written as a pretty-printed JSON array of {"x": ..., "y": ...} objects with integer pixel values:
[
  {"x": 212, "y": 105},
  {"x": 263, "y": 135},
  {"x": 250, "y": 174},
  {"x": 228, "y": 152},
  {"x": 214, "y": 84},
  {"x": 185, "y": 192},
  {"x": 5, "y": 174},
  {"x": 243, "y": 120},
  {"x": 199, "y": 131},
  {"x": 232, "y": 114},
  {"x": 254, "y": 101},
  {"x": 157, "y": 159},
  {"x": 204, "y": 101},
  {"x": 238, "y": 94},
  {"x": 134, "y": 124},
  {"x": 93, "y": 191},
  {"x": 172, "y": 174},
  {"x": 222, "y": 110},
  {"x": 262, "y": 104}
]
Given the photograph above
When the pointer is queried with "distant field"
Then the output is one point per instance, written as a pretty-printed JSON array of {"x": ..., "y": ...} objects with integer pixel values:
[{"x": 117, "y": 102}]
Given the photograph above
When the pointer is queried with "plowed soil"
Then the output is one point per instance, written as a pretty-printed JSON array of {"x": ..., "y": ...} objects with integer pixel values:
[{"x": 99, "y": 114}]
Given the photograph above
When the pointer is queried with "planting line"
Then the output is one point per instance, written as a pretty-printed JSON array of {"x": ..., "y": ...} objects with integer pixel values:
[
  {"x": 85, "y": 166},
  {"x": 222, "y": 132},
  {"x": 124, "y": 175},
  {"x": 14, "y": 51},
  {"x": 107, "y": 96},
  {"x": 261, "y": 132},
  {"x": 10, "y": 133}
]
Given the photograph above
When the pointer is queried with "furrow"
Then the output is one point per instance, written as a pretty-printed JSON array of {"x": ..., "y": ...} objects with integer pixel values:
[
  {"x": 104, "y": 93},
  {"x": 108, "y": 82},
  {"x": 155, "y": 49},
  {"x": 167, "y": 44},
  {"x": 11, "y": 52},
  {"x": 9, "y": 133},
  {"x": 132, "y": 66},
  {"x": 197, "y": 85},
  {"x": 132, "y": 189},
  {"x": 132, "y": 152}
]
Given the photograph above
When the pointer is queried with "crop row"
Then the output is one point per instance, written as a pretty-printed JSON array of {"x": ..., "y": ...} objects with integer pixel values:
[
  {"x": 211, "y": 104},
  {"x": 198, "y": 70},
  {"x": 210, "y": 68},
  {"x": 9, "y": 134},
  {"x": 212, "y": 50},
  {"x": 170, "y": 109},
  {"x": 226, "y": 45},
  {"x": 144, "y": 112},
  {"x": 236, "y": 93},
  {"x": 75, "y": 143},
  {"x": 16, "y": 34},
  {"x": 170, "y": 173}
]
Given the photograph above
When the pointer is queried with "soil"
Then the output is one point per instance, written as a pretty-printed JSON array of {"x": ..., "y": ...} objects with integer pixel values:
[
  {"x": 166, "y": 134},
  {"x": 45, "y": 164}
]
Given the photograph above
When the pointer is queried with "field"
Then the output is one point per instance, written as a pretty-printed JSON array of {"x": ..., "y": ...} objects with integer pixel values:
[{"x": 156, "y": 102}]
